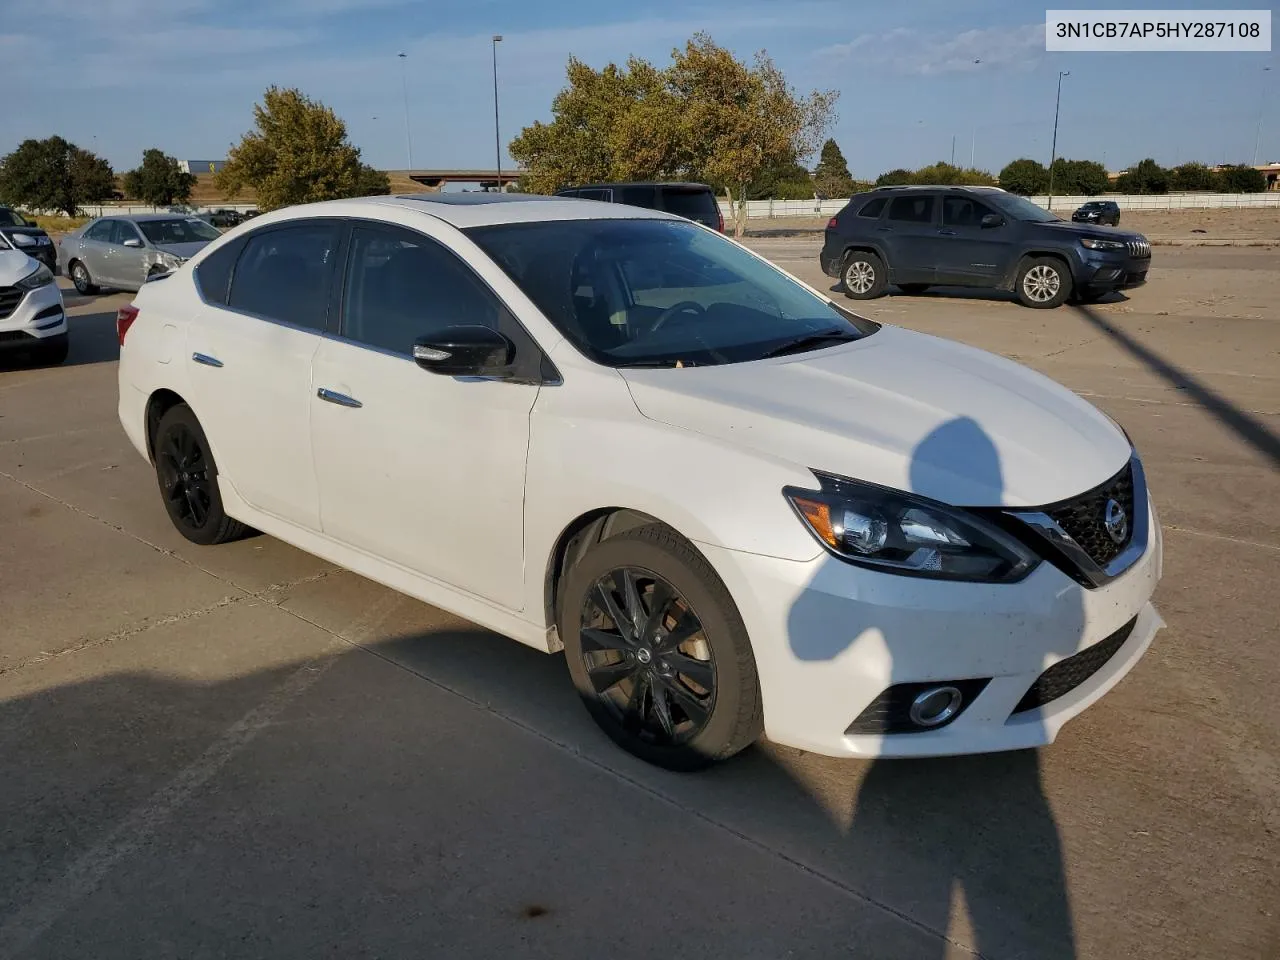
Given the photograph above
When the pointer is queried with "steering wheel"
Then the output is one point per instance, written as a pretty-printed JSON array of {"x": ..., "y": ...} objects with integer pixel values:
[{"x": 687, "y": 307}]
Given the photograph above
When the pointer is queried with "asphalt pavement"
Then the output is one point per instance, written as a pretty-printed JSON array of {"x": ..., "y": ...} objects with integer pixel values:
[{"x": 242, "y": 751}]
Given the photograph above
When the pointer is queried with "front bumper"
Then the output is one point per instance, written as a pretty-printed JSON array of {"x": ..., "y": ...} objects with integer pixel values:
[
  {"x": 829, "y": 638},
  {"x": 38, "y": 317},
  {"x": 1100, "y": 270}
]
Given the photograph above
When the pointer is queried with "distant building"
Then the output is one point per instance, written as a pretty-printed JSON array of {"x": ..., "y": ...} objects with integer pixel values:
[{"x": 201, "y": 166}]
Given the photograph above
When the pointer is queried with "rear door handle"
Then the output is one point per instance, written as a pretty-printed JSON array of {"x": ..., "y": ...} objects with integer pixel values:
[
  {"x": 207, "y": 360},
  {"x": 341, "y": 399}
]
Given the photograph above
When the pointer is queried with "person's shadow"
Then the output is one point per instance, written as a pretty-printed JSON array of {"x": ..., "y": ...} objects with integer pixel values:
[{"x": 966, "y": 846}]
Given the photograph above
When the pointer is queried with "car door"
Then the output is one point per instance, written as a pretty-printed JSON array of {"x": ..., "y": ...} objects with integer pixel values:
[
  {"x": 423, "y": 470},
  {"x": 127, "y": 261},
  {"x": 908, "y": 232},
  {"x": 965, "y": 251},
  {"x": 95, "y": 248},
  {"x": 249, "y": 354}
]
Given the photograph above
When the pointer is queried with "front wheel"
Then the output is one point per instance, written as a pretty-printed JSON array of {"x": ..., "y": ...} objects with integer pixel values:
[
  {"x": 1043, "y": 283},
  {"x": 80, "y": 277},
  {"x": 658, "y": 652},
  {"x": 863, "y": 275},
  {"x": 188, "y": 479}
]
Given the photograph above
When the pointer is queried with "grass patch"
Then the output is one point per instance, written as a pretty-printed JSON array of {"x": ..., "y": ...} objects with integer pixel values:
[{"x": 54, "y": 224}]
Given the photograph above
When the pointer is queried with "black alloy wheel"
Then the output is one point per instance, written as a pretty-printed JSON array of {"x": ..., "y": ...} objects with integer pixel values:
[{"x": 188, "y": 479}]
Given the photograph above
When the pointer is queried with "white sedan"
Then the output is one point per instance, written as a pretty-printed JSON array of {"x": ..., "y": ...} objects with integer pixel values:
[
  {"x": 736, "y": 506},
  {"x": 32, "y": 319}
]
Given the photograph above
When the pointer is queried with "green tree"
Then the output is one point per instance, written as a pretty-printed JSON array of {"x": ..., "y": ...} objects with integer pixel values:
[
  {"x": 1079, "y": 177},
  {"x": 706, "y": 116},
  {"x": 831, "y": 176},
  {"x": 299, "y": 153},
  {"x": 160, "y": 180},
  {"x": 936, "y": 173},
  {"x": 1239, "y": 178},
  {"x": 371, "y": 182},
  {"x": 53, "y": 174},
  {"x": 1025, "y": 176},
  {"x": 895, "y": 178},
  {"x": 1146, "y": 176},
  {"x": 1191, "y": 176}
]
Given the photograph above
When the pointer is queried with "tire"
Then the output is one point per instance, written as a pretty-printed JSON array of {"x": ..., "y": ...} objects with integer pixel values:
[
  {"x": 863, "y": 275},
  {"x": 1042, "y": 283},
  {"x": 55, "y": 352},
  {"x": 610, "y": 665},
  {"x": 188, "y": 480},
  {"x": 913, "y": 289},
  {"x": 80, "y": 277}
]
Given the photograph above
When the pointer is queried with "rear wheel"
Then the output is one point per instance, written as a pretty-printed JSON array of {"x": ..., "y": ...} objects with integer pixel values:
[
  {"x": 188, "y": 479},
  {"x": 863, "y": 275},
  {"x": 80, "y": 277},
  {"x": 658, "y": 652},
  {"x": 913, "y": 289},
  {"x": 1043, "y": 282}
]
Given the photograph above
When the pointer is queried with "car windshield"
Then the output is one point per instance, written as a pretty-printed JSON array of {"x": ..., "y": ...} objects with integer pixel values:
[
  {"x": 1020, "y": 208},
  {"x": 1091, "y": 206},
  {"x": 10, "y": 219},
  {"x": 184, "y": 230},
  {"x": 638, "y": 292}
]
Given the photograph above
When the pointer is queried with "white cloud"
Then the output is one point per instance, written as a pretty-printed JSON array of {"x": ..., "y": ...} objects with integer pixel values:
[{"x": 927, "y": 53}]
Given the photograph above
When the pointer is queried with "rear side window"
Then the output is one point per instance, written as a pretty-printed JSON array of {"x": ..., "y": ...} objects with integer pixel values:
[
  {"x": 213, "y": 275},
  {"x": 873, "y": 209},
  {"x": 911, "y": 209},
  {"x": 640, "y": 197},
  {"x": 284, "y": 274},
  {"x": 691, "y": 204}
]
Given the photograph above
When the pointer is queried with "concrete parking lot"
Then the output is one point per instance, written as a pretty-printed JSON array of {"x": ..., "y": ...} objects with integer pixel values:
[{"x": 242, "y": 751}]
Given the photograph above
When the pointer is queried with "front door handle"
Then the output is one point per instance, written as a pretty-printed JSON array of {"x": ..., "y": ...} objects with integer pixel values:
[
  {"x": 341, "y": 399},
  {"x": 207, "y": 360}
]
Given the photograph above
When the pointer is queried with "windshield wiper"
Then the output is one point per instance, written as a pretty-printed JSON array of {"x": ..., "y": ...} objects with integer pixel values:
[{"x": 810, "y": 341}]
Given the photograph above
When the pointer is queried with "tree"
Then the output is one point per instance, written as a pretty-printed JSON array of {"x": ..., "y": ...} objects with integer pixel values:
[
  {"x": 1025, "y": 176},
  {"x": 160, "y": 180},
  {"x": 1191, "y": 176},
  {"x": 831, "y": 176},
  {"x": 707, "y": 116},
  {"x": 53, "y": 174},
  {"x": 371, "y": 182},
  {"x": 1146, "y": 176},
  {"x": 895, "y": 178},
  {"x": 1079, "y": 177},
  {"x": 936, "y": 173},
  {"x": 1239, "y": 178},
  {"x": 299, "y": 153}
]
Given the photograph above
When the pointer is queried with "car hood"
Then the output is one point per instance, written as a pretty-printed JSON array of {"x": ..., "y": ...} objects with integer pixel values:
[
  {"x": 903, "y": 410},
  {"x": 14, "y": 265},
  {"x": 184, "y": 250},
  {"x": 1080, "y": 229}
]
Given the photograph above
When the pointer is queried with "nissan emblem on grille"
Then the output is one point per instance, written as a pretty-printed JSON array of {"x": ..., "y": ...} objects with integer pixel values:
[{"x": 1116, "y": 522}]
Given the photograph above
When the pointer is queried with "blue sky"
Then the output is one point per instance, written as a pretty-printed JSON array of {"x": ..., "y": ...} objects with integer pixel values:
[{"x": 118, "y": 76}]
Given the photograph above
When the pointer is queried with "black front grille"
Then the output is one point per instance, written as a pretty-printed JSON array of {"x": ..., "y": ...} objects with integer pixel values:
[
  {"x": 1084, "y": 517},
  {"x": 1065, "y": 675},
  {"x": 10, "y": 297},
  {"x": 9, "y": 336},
  {"x": 1139, "y": 248}
]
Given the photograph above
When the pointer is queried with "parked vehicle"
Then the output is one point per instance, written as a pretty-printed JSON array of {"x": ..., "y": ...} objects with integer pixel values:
[
  {"x": 32, "y": 320},
  {"x": 1098, "y": 211},
  {"x": 736, "y": 505},
  {"x": 122, "y": 252},
  {"x": 225, "y": 217},
  {"x": 693, "y": 201},
  {"x": 19, "y": 233},
  {"x": 918, "y": 237}
]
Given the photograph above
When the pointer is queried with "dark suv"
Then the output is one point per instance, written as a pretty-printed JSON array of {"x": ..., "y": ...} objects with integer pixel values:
[
  {"x": 693, "y": 201},
  {"x": 917, "y": 237},
  {"x": 1098, "y": 211},
  {"x": 18, "y": 233}
]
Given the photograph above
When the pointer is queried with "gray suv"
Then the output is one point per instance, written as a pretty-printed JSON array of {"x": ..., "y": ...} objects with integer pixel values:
[{"x": 123, "y": 252}]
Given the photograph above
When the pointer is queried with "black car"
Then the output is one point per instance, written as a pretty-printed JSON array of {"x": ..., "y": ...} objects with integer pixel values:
[
  {"x": 917, "y": 237},
  {"x": 19, "y": 233},
  {"x": 224, "y": 217},
  {"x": 1098, "y": 211},
  {"x": 693, "y": 201}
]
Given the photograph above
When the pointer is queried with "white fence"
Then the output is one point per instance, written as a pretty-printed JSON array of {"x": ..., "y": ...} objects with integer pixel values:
[
  {"x": 119, "y": 209},
  {"x": 775, "y": 209}
]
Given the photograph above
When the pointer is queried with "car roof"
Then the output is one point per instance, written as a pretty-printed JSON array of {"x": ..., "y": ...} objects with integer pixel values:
[
  {"x": 683, "y": 184},
  {"x": 963, "y": 188},
  {"x": 473, "y": 209},
  {"x": 141, "y": 217}
]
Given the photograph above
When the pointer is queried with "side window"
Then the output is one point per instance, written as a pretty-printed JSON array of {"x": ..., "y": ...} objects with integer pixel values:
[
  {"x": 963, "y": 212},
  {"x": 640, "y": 197},
  {"x": 912, "y": 209},
  {"x": 873, "y": 209},
  {"x": 124, "y": 230},
  {"x": 213, "y": 275},
  {"x": 604, "y": 196},
  {"x": 403, "y": 285},
  {"x": 284, "y": 274},
  {"x": 100, "y": 231}
]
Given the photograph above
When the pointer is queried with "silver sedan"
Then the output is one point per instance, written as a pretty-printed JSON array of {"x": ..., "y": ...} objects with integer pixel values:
[{"x": 122, "y": 252}]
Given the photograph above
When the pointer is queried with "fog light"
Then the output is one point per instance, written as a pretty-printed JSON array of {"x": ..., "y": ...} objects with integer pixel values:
[{"x": 935, "y": 706}]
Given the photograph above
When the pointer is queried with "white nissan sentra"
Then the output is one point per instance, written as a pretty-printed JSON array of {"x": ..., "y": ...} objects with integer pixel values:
[{"x": 738, "y": 508}]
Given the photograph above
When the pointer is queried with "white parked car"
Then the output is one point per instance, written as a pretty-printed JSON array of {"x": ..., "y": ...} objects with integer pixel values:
[
  {"x": 738, "y": 507},
  {"x": 32, "y": 320}
]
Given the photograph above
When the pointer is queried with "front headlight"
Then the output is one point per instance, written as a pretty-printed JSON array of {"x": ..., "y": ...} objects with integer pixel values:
[
  {"x": 40, "y": 277},
  {"x": 1095, "y": 244},
  {"x": 898, "y": 532}
]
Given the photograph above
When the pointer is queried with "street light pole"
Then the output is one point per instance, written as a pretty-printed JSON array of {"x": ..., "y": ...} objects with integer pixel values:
[
  {"x": 404, "y": 86},
  {"x": 1053, "y": 151},
  {"x": 497, "y": 137},
  {"x": 973, "y": 132},
  {"x": 1262, "y": 106}
]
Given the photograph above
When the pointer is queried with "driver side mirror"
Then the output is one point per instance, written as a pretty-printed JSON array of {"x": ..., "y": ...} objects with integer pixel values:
[
  {"x": 133, "y": 242},
  {"x": 465, "y": 350},
  {"x": 990, "y": 220}
]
